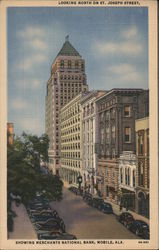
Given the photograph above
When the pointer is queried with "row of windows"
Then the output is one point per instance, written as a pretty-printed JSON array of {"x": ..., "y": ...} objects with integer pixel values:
[
  {"x": 70, "y": 138},
  {"x": 72, "y": 146},
  {"x": 70, "y": 121},
  {"x": 111, "y": 113},
  {"x": 87, "y": 137},
  {"x": 107, "y": 104},
  {"x": 88, "y": 110},
  {"x": 87, "y": 125},
  {"x": 70, "y": 130},
  {"x": 70, "y": 163},
  {"x": 68, "y": 90},
  {"x": 107, "y": 152},
  {"x": 70, "y": 64},
  {"x": 127, "y": 175},
  {"x": 70, "y": 154},
  {"x": 71, "y": 77}
]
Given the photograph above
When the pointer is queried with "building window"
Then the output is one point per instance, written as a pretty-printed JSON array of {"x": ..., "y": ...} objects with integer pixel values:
[
  {"x": 102, "y": 135},
  {"x": 140, "y": 143},
  {"x": 62, "y": 64},
  {"x": 107, "y": 135},
  {"x": 121, "y": 175},
  {"x": 113, "y": 133},
  {"x": 133, "y": 178},
  {"x": 147, "y": 142},
  {"x": 127, "y": 134},
  {"x": 127, "y": 111},
  {"x": 107, "y": 115},
  {"x": 112, "y": 173},
  {"x": 113, "y": 153},
  {"x": 126, "y": 177},
  {"x": 69, "y": 64},
  {"x": 76, "y": 64},
  {"x": 141, "y": 174},
  {"x": 82, "y": 67},
  {"x": 107, "y": 153}
]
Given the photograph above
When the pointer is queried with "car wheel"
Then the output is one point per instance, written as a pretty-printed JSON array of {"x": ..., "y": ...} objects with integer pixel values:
[
  {"x": 137, "y": 232},
  {"x": 125, "y": 224}
]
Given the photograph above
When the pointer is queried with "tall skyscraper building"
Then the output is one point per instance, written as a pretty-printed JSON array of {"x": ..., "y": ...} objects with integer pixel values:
[{"x": 67, "y": 80}]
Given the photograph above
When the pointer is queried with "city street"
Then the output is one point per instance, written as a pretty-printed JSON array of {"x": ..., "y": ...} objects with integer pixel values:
[{"x": 86, "y": 222}]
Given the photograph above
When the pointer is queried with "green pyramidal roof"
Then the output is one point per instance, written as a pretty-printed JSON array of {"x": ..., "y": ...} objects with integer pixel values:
[{"x": 68, "y": 50}]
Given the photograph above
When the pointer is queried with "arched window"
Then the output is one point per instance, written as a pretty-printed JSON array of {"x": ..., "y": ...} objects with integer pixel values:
[
  {"x": 69, "y": 64},
  {"x": 62, "y": 63}
]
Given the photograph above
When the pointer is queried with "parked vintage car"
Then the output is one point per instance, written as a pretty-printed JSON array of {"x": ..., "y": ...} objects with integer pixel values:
[
  {"x": 106, "y": 208},
  {"x": 45, "y": 217},
  {"x": 140, "y": 228},
  {"x": 39, "y": 205},
  {"x": 50, "y": 224},
  {"x": 44, "y": 212},
  {"x": 76, "y": 190},
  {"x": 96, "y": 202},
  {"x": 126, "y": 219},
  {"x": 56, "y": 235},
  {"x": 87, "y": 196}
]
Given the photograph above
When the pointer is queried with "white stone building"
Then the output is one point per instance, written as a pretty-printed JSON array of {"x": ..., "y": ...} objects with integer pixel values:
[
  {"x": 89, "y": 139},
  {"x": 127, "y": 178}
]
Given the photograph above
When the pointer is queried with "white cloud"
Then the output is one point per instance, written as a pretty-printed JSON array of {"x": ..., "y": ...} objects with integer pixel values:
[
  {"x": 125, "y": 73},
  {"x": 19, "y": 104},
  {"x": 130, "y": 33},
  {"x": 29, "y": 63},
  {"x": 38, "y": 44},
  {"x": 118, "y": 48},
  {"x": 31, "y": 32},
  {"x": 121, "y": 68},
  {"x": 28, "y": 83}
]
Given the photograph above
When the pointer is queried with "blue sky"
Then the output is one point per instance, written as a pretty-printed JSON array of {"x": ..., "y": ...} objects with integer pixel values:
[{"x": 113, "y": 42}]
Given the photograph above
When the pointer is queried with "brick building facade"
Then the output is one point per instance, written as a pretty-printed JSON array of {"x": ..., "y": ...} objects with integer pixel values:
[{"x": 118, "y": 109}]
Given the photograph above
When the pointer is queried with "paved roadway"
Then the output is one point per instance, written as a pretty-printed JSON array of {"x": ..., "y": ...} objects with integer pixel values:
[{"x": 87, "y": 222}]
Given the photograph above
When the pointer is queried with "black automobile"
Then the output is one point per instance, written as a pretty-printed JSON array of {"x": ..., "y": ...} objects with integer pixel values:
[
  {"x": 88, "y": 199},
  {"x": 38, "y": 205},
  {"x": 50, "y": 224},
  {"x": 44, "y": 217},
  {"x": 140, "y": 228},
  {"x": 106, "y": 208},
  {"x": 44, "y": 212},
  {"x": 96, "y": 202},
  {"x": 56, "y": 235},
  {"x": 76, "y": 190},
  {"x": 87, "y": 196},
  {"x": 126, "y": 219}
]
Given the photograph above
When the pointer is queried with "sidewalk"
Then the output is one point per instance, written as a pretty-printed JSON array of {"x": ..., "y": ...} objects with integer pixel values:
[
  {"x": 117, "y": 211},
  {"x": 23, "y": 228}
]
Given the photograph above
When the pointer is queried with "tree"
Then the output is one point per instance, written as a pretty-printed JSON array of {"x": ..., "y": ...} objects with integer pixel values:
[{"x": 25, "y": 177}]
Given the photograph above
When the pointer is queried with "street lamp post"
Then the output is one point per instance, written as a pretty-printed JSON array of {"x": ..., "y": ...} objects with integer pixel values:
[{"x": 79, "y": 179}]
